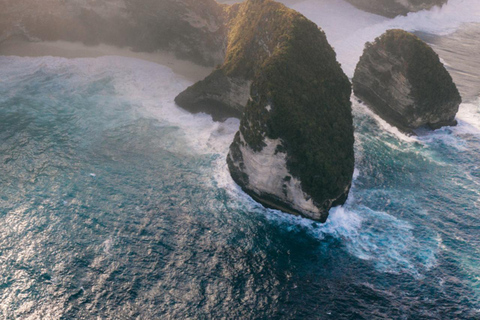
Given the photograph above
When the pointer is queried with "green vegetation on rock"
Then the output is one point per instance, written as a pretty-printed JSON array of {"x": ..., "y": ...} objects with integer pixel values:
[
  {"x": 256, "y": 28},
  {"x": 299, "y": 96}
]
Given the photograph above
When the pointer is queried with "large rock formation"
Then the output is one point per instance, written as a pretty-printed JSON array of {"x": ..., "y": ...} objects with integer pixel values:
[
  {"x": 393, "y": 8},
  {"x": 294, "y": 149},
  {"x": 192, "y": 29},
  {"x": 402, "y": 79}
]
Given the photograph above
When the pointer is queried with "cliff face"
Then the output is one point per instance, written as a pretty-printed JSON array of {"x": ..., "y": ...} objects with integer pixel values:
[
  {"x": 402, "y": 79},
  {"x": 254, "y": 30},
  {"x": 192, "y": 29},
  {"x": 294, "y": 149},
  {"x": 393, "y": 8}
]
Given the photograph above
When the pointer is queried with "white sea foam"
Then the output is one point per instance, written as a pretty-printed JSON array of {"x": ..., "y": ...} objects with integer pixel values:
[
  {"x": 387, "y": 242},
  {"x": 382, "y": 123},
  {"x": 469, "y": 118},
  {"x": 155, "y": 87},
  {"x": 456, "y": 137},
  {"x": 151, "y": 88}
]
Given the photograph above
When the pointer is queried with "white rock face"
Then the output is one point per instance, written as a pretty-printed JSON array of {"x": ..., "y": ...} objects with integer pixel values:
[{"x": 268, "y": 174}]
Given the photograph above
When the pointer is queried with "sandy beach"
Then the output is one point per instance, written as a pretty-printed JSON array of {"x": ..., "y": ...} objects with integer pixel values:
[
  {"x": 71, "y": 50},
  {"x": 285, "y": 2}
]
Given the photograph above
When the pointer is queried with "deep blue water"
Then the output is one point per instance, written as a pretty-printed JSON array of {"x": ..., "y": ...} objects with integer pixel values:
[{"x": 115, "y": 204}]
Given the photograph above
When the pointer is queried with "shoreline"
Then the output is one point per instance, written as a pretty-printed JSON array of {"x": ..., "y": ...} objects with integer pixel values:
[{"x": 72, "y": 50}]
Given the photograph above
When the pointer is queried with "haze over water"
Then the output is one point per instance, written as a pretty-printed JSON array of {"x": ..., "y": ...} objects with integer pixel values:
[{"x": 116, "y": 204}]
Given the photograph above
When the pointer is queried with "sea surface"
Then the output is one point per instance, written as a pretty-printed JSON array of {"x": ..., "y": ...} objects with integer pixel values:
[{"x": 116, "y": 204}]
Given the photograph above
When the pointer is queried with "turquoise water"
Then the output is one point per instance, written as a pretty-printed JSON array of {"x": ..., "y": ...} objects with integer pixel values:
[{"x": 116, "y": 204}]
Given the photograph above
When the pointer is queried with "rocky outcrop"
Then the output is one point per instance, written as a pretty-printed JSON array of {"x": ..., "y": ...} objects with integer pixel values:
[
  {"x": 251, "y": 40},
  {"x": 393, "y": 8},
  {"x": 294, "y": 148},
  {"x": 219, "y": 95},
  {"x": 402, "y": 79},
  {"x": 192, "y": 29}
]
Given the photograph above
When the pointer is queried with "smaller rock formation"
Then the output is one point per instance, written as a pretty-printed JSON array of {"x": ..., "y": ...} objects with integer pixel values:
[
  {"x": 393, "y": 8},
  {"x": 402, "y": 79}
]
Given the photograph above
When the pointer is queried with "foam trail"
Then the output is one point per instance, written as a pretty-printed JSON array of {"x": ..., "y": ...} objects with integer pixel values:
[
  {"x": 387, "y": 242},
  {"x": 362, "y": 108},
  {"x": 154, "y": 87},
  {"x": 375, "y": 236},
  {"x": 148, "y": 86}
]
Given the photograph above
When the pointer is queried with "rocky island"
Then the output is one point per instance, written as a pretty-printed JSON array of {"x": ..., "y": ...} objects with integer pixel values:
[
  {"x": 393, "y": 8},
  {"x": 294, "y": 149},
  {"x": 402, "y": 79}
]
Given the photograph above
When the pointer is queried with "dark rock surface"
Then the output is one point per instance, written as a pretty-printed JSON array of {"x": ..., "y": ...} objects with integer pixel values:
[
  {"x": 294, "y": 149},
  {"x": 393, "y": 8},
  {"x": 218, "y": 95},
  {"x": 192, "y": 29},
  {"x": 247, "y": 49},
  {"x": 402, "y": 79}
]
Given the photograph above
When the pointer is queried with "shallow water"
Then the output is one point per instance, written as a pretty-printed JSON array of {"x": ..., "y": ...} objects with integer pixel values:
[{"x": 115, "y": 204}]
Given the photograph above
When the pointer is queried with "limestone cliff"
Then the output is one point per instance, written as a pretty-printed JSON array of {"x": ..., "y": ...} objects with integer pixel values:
[
  {"x": 192, "y": 29},
  {"x": 402, "y": 79},
  {"x": 294, "y": 149},
  {"x": 393, "y": 8}
]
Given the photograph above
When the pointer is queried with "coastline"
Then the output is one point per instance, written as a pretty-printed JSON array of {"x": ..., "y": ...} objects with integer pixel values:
[{"x": 72, "y": 50}]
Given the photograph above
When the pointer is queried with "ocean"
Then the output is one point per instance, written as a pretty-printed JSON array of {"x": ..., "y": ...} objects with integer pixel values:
[{"x": 117, "y": 204}]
